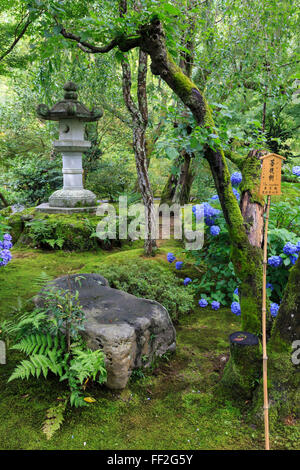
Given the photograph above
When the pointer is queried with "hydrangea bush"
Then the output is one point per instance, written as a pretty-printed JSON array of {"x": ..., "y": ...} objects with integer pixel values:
[
  {"x": 219, "y": 285},
  {"x": 5, "y": 244}
]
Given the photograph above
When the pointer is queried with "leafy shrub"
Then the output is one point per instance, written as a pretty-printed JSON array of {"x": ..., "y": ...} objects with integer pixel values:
[
  {"x": 35, "y": 178},
  {"x": 111, "y": 178},
  {"x": 151, "y": 281},
  {"x": 219, "y": 281},
  {"x": 284, "y": 215}
]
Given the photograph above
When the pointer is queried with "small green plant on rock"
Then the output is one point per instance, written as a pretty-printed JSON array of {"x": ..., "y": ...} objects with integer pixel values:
[{"x": 49, "y": 337}]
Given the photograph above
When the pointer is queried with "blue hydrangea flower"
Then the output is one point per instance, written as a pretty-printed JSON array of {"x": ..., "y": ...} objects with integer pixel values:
[
  {"x": 187, "y": 280},
  {"x": 236, "y": 292},
  {"x": 197, "y": 211},
  {"x": 236, "y": 193},
  {"x": 296, "y": 170},
  {"x": 210, "y": 221},
  {"x": 298, "y": 247},
  {"x": 289, "y": 248},
  {"x": 215, "y": 230},
  {"x": 236, "y": 178},
  {"x": 7, "y": 237},
  {"x": 274, "y": 309},
  {"x": 210, "y": 211},
  {"x": 178, "y": 264},
  {"x": 203, "y": 303},
  {"x": 236, "y": 308},
  {"x": 269, "y": 286},
  {"x": 6, "y": 256},
  {"x": 293, "y": 259},
  {"x": 215, "y": 305},
  {"x": 7, "y": 245},
  {"x": 275, "y": 261},
  {"x": 170, "y": 257},
  {"x": 215, "y": 197}
]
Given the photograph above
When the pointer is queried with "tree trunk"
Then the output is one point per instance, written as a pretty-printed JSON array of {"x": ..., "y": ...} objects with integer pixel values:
[
  {"x": 185, "y": 180},
  {"x": 243, "y": 367},
  {"x": 139, "y": 117},
  {"x": 252, "y": 207},
  {"x": 169, "y": 190}
]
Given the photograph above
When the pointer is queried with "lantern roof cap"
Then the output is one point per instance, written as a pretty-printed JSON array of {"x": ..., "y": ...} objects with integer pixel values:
[{"x": 69, "y": 108}]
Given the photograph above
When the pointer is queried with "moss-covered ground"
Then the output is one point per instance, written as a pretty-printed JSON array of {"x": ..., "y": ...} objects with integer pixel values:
[{"x": 175, "y": 405}]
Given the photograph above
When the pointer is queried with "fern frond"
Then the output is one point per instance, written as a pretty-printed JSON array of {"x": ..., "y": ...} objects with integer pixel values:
[
  {"x": 39, "y": 344},
  {"x": 54, "y": 419},
  {"x": 42, "y": 279},
  {"x": 37, "y": 364}
]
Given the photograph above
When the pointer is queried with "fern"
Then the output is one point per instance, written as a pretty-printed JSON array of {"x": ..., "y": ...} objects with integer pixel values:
[
  {"x": 54, "y": 419},
  {"x": 88, "y": 364},
  {"x": 28, "y": 322},
  {"x": 41, "y": 344},
  {"x": 42, "y": 279},
  {"x": 37, "y": 364}
]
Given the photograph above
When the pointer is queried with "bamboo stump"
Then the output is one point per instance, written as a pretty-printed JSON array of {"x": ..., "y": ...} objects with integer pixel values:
[{"x": 243, "y": 368}]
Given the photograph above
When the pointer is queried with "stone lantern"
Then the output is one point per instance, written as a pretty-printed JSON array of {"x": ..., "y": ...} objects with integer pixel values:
[{"x": 72, "y": 116}]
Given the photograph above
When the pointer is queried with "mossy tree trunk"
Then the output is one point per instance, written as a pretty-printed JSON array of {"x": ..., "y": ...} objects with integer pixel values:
[
  {"x": 3, "y": 199},
  {"x": 179, "y": 184},
  {"x": 169, "y": 189},
  {"x": 185, "y": 180}
]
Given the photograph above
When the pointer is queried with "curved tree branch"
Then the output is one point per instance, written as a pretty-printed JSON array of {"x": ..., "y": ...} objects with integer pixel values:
[{"x": 17, "y": 39}]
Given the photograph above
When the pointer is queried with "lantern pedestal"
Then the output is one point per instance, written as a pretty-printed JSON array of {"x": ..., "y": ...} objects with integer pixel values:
[
  {"x": 46, "y": 208},
  {"x": 71, "y": 115}
]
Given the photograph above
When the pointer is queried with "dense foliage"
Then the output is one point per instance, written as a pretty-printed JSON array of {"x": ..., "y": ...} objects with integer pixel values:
[{"x": 142, "y": 279}]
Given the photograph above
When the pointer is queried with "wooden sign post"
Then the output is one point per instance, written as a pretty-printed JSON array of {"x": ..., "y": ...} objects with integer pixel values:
[{"x": 270, "y": 185}]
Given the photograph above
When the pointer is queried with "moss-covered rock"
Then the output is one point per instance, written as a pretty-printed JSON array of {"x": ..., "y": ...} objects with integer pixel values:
[{"x": 74, "y": 232}]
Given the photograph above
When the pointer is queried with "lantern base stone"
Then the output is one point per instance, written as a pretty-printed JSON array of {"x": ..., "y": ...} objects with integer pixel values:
[
  {"x": 73, "y": 198},
  {"x": 47, "y": 209}
]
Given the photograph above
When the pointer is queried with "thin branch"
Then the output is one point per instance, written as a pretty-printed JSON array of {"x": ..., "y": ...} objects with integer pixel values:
[
  {"x": 87, "y": 46},
  {"x": 17, "y": 39}
]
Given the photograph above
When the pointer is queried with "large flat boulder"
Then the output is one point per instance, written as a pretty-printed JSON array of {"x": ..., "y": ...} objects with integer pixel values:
[{"x": 131, "y": 331}]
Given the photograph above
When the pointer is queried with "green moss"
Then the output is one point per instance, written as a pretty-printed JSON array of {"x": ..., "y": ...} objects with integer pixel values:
[
  {"x": 16, "y": 224},
  {"x": 283, "y": 389},
  {"x": 67, "y": 231},
  {"x": 6, "y": 212},
  {"x": 184, "y": 85},
  {"x": 185, "y": 410},
  {"x": 251, "y": 171}
]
